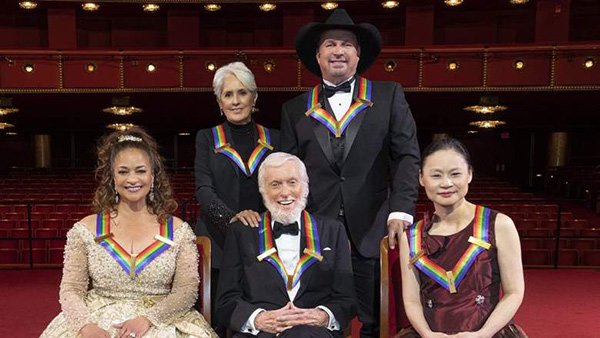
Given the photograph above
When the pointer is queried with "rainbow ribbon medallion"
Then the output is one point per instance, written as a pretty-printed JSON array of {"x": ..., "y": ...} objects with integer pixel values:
[
  {"x": 135, "y": 263},
  {"x": 311, "y": 254},
  {"x": 451, "y": 280},
  {"x": 262, "y": 147},
  {"x": 316, "y": 111}
]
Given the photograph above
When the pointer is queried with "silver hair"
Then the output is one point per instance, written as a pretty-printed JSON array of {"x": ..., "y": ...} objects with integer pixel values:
[
  {"x": 239, "y": 70},
  {"x": 278, "y": 159}
]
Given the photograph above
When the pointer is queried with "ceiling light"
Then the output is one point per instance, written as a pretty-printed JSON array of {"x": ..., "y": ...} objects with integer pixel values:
[
  {"x": 487, "y": 124},
  {"x": 150, "y": 68},
  {"x": 27, "y": 4},
  {"x": 329, "y": 5},
  {"x": 184, "y": 134},
  {"x": 472, "y": 131},
  {"x": 267, "y": 7},
  {"x": 487, "y": 105},
  {"x": 589, "y": 62},
  {"x": 452, "y": 66},
  {"x": 90, "y": 6},
  {"x": 28, "y": 67},
  {"x": 390, "y": 4},
  {"x": 6, "y": 106},
  {"x": 210, "y": 66},
  {"x": 453, "y": 2},
  {"x": 519, "y": 64},
  {"x": 269, "y": 66},
  {"x": 11, "y": 133},
  {"x": 121, "y": 126},
  {"x": 151, "y": 8},
  {"x": 518, "y": 2},
  {"x": 212, "y": 7},
  {"x": 121, "y": 106},
  {"x": 4, "y": 125},
  {"x": 390, "y": 66}
]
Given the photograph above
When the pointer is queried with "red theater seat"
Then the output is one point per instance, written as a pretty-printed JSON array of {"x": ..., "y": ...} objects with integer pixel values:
[
  {"x": 539, "y": 232},
  {"x": 9, "y": 243},
  {"x": 43, "y": 208},
  {"x": 590, "y": 232},
  {"x": 392, "y": 315},
  {"x": 530, "y": 243},
  {"x": 549, "y": 224},
  {"x": 5, "y": 208},
  {"x": 568, "y": 257},
  {"x": 14, "y": 216},
  {"x": 591, "y": 258},
  {"x": 19, "y": 233},
  {"x": 58, "y": 215},
  {"x": 569, "y": 232},
  {"x": 526, "y": 208},
  {"x": 203, "y": 303},
  {"x": 9, "y": 256},
  {"x": 550, "y": 243},
  {"x": 46, "y": 233},
  {"x": 539, "y": 215},
  {"x": 576, "y": 224},
  {"x": 566, "y": 216},
  {"x": 552, "y": 209},
  {"x": 52, "y": 223},
  {"x": 68, "y": 208},
  {"x": 7, "y": 224},
  {"x": 55, "y": 256},
  {"x": 536, "y": 257},
  {"x": 582, "y": 244},
  {"x": 527, "y": 224}
]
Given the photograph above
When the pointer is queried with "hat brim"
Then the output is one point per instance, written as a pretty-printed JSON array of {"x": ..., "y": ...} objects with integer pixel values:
[{"x": 307, "y": 44}]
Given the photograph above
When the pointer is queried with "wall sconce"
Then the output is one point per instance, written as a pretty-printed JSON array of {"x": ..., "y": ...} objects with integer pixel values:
[
  {"x": 121, "y": 126},
  {"x": 453, "y": 2},
  {"x": 91, "y": 67},
  {"x": 269, "y": 66},
  {"x": 28, "y": 67},
  {"x": 151, "y": 68},
  {"x": 90, "y": 6},
  {"x": 518, "y": 2},
  {"x": 212, "y": 7},
  {"x": 211, "y": 66},
  {"x": 519, "y": 64},
  {"x": 4, "y": 125},
  {"x": 390, "y": 66},
  {"x": 589, "y": 62},
  {"x": 329, "y": 6},
  {"x": 151, "y": 8},
  {"x": 27, "y": 4},
  {"x": 452, "y": 66},
  {"x": 390, "y": 4}
]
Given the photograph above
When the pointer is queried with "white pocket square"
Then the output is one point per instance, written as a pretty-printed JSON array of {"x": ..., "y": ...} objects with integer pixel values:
[{"x": 327, "y": 249}]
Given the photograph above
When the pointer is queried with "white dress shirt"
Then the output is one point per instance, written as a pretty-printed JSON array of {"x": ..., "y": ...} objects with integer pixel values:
[
  {"x": 340, "y": 103},
  {"x": 288, "y": 249}
]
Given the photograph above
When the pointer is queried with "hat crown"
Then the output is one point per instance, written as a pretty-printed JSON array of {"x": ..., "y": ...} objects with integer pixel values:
[{"x": 340, "y": 17}]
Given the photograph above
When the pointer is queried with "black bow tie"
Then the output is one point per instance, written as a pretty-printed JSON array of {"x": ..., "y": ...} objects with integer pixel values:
[
  {"x": 280, "y": 229},
  {"x": 331, "y": 90}
]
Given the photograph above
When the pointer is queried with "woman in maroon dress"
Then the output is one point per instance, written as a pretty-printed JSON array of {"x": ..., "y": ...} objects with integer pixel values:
[{"x": 454, "y": 265}]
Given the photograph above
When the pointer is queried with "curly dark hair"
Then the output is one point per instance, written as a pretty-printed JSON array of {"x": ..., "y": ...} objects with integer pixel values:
[{"x": 108, "y": 148}]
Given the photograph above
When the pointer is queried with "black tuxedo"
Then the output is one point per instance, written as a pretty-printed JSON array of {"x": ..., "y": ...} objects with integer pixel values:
[
  {"x": 218, "y": 186},
  {"x": 371, "y": 171},
  {"x": 248, "y": 284}
]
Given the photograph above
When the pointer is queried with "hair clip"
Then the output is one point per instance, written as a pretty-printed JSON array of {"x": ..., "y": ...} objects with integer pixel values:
[{"x": 132, "y": 138}]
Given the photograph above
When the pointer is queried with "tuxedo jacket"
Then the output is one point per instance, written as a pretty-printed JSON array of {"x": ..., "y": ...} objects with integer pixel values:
[
  {"x": 218, "y": 187},
  {"x": 380, "y": 163},
  {"x": 246, "y": 284}
]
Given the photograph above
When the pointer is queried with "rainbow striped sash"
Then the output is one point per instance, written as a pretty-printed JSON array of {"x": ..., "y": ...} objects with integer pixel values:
[
  {"x": 268, "y": 252},
  {"x": 450, "y": 280},
  {"x": 316, "y": 111},
  {"x": 133, "y": 264},
  {"x": 262, "y": 147}
]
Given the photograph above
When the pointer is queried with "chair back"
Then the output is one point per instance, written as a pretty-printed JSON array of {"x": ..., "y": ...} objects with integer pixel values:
[
  {"x": 203, "y": 303},
  {"x": 392, "y": 315}
]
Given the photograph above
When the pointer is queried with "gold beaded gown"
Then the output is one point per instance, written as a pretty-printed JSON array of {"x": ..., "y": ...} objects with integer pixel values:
[{"x": 164, "y": 291}]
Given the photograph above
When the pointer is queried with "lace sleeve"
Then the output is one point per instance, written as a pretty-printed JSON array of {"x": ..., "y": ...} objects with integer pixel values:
[
  {"x": 184, "y": 290},
  {"x": 219, "y": 215},
  {"x": 74, "y": 284}
]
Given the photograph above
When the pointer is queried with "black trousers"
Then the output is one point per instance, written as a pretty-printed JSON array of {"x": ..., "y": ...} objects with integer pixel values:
[
  {"x": 300, "y": 331},
  {"x": 366, "y": 283}
]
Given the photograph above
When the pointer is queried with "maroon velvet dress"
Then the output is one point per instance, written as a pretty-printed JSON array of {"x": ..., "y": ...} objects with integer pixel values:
[{"x": 477, "y": 294}]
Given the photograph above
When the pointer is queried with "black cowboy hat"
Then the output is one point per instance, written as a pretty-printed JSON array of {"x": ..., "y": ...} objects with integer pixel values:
[{"x": 307, "y": 40}]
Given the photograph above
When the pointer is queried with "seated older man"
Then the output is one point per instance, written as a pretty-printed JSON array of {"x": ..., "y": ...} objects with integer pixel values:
[{"x": 292, "y": 275}]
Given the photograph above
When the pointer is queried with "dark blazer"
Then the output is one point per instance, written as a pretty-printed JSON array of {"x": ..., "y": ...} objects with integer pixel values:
[
  {"x": 380, "y": 163},
  {"x": 218, "y": 188},
  {"x": 247, "y": 284}
]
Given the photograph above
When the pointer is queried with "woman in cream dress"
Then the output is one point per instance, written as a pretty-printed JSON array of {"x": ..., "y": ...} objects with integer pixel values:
[{"x": 131, "y": 270}]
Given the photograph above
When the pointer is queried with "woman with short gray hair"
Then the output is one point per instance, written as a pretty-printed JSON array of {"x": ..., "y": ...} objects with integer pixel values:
[{"x": 227, "y": 160}]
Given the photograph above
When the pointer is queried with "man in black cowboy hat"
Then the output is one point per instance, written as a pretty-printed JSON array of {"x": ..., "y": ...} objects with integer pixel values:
[{"x": 359, "y": 143}]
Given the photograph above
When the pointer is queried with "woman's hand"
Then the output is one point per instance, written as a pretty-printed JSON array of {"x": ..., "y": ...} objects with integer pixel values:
[
  {"x": 247, "y": 217},
  {"x": 93, "y": 331},
  {"x": 135, "y": 327}
]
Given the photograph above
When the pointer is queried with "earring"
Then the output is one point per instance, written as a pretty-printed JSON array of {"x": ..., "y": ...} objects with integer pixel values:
[
  {"x": 255, "y": 110},
  {"x": 151, "y": 194},
  {"x": 117, "y": 198},
  {"x": 116, "y": 193},
  {"x": 221, "y": 110}
]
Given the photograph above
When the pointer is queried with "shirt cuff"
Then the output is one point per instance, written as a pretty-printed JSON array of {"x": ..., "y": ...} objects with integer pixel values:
[
  {"x": 401, "y": 216},
  {"x": 333, "y": 324},
  {"x": 248, "y": 326}
]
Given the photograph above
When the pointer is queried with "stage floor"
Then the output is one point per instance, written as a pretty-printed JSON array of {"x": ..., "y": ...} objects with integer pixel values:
[{"x": 558, "y": 303}]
